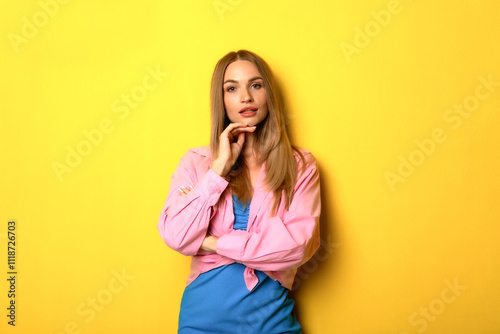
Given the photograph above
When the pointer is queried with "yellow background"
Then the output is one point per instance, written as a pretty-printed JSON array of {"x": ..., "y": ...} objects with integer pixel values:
[{"x": 389, "y": 249}]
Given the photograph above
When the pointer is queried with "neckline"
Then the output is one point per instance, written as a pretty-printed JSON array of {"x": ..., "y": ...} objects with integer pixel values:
[{"x": 236, "y": 199}]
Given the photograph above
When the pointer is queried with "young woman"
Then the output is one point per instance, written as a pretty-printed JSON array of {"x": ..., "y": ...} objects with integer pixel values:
[{"x": 245, "y": 209}]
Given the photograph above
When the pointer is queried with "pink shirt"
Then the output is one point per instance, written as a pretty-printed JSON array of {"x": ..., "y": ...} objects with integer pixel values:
[{"x": 277, "y": 244}]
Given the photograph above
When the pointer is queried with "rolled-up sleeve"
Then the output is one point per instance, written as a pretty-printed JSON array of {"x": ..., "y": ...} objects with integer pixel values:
[
  {"x": 184, "y": 220},
  {"x": 281, "y": 244}
]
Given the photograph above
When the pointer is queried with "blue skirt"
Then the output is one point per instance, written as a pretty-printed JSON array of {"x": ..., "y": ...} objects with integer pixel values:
[{"x": 219, "y": 302}]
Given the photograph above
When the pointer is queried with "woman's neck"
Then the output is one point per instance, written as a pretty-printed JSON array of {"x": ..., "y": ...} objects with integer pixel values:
[{"x": 250, "y": 153}]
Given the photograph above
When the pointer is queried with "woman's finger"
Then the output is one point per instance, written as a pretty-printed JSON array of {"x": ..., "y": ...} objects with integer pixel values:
[
  {"x": 237, "y": 131},
  {"x": 231, "y": 128},
  {"x": 241, "y": 139},
  {"x": 183, "y": 191}
]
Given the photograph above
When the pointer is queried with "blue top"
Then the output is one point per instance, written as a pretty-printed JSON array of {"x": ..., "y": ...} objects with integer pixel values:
[
  {"x": 241, "y": 212},
  {"x": 219, "y": 302}
]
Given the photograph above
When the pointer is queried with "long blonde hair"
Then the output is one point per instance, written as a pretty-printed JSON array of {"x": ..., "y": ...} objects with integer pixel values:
[{"x": 272, "y": 139}]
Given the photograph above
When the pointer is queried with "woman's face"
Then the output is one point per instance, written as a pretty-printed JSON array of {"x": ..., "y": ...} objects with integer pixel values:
[{"x": 245, "y": 96}]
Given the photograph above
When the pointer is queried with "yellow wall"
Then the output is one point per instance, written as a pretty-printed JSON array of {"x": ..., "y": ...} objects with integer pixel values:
[{"x": 398, "y": 100}]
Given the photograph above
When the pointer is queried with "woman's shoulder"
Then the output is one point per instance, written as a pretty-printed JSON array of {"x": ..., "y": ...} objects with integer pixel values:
[
  {"x": 303, "y": 156},
  {"x": 201, "y": 151},
  {"x": 197, "y": 156},
  {"x": 306, "y": 163}
]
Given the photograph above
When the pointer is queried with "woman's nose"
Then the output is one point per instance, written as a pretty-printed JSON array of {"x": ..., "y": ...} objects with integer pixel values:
[{"x": 246, "y": 97}]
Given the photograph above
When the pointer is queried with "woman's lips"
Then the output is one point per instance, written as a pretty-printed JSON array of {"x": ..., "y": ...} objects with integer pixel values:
[{"x": 248, "y": 111}]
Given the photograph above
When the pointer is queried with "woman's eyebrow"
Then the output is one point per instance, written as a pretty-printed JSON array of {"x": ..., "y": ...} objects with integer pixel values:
[
  {"x": 235, "y": 81},
  {"x": 254, "y": 78}
]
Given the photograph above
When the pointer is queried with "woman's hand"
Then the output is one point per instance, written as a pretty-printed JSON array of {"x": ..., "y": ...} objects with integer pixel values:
[
  {"x": 229, "y": 149},
  {"x": 183, "y": 191},
  {"x": 210, "y": 242}
]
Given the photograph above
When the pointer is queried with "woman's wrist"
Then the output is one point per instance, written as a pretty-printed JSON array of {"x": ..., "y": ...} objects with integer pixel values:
[
  {"x": 210, "y": 243},
  {"x": 219, "y": 167}
]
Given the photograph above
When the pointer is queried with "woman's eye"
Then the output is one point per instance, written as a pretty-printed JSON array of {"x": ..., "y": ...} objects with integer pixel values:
[
  {"x": 230, "y": 89},
  {"x": 256, "y": 85}
]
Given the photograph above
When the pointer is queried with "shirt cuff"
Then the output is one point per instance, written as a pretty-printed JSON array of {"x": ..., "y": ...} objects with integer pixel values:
[{"x": 211, "y": 186}]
